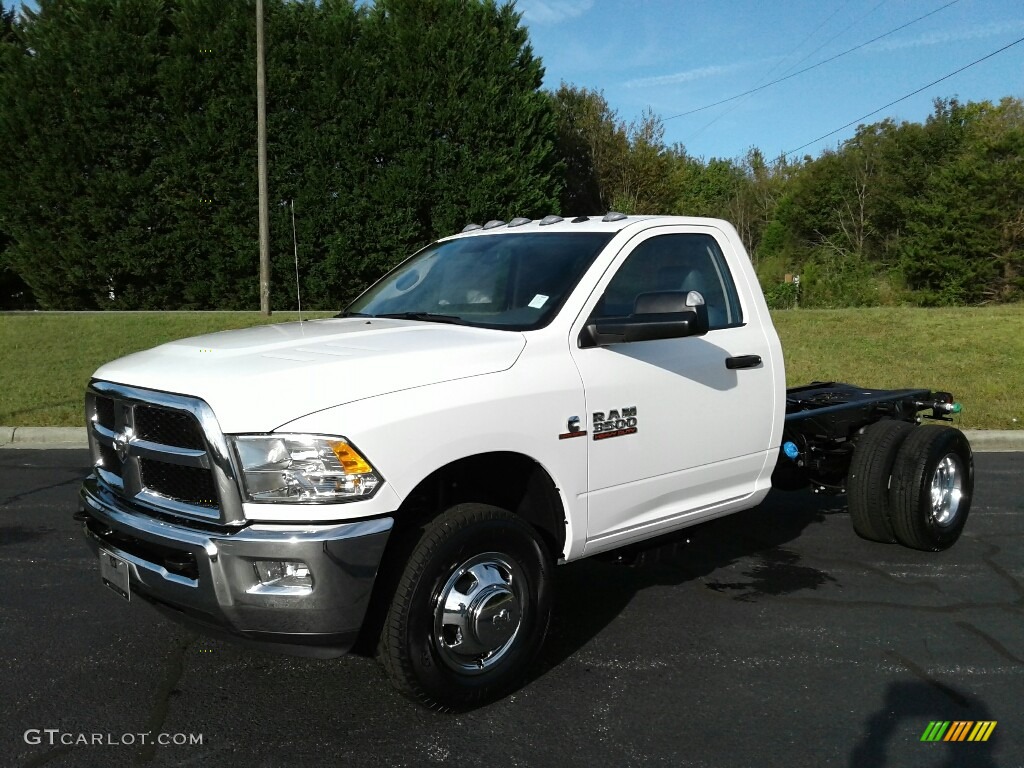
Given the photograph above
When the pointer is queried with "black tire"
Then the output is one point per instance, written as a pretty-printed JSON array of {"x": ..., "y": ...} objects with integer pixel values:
[
  {"x": 867, "y": 487},
  {"x": 456, "y": 660},
  {"x": 932, "y": 487}
]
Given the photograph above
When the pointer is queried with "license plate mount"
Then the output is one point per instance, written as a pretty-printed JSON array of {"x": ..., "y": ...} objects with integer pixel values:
[{"x": 115, "y": 574}]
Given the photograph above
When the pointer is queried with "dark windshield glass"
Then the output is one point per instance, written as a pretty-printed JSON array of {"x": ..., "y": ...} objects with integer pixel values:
[{"x": 513, "y": 281}]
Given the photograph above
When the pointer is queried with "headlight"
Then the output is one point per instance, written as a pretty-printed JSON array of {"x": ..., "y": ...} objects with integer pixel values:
[{"x": 303, "y": 468}]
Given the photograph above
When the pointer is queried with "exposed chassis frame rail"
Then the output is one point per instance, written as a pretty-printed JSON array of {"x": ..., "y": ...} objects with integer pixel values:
[{"x": 825, "y": 419}]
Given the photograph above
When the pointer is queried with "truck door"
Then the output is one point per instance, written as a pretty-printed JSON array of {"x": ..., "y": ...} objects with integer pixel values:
[{"x": 677, "y": 434}]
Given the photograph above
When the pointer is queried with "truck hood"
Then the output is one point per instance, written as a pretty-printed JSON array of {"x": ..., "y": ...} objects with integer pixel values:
[{"x": 257, "y": 379}]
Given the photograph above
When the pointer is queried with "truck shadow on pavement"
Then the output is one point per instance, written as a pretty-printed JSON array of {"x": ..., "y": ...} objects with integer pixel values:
[{"x": 591, "y": 593}]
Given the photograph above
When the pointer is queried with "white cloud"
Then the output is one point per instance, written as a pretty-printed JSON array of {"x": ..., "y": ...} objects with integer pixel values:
[
  {"x": 686, "y": 76},
  {"x": 939, "y": 38},
  {"x": 552, "y": 11}
]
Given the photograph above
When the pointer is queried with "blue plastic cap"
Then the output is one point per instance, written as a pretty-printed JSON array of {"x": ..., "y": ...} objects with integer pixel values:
[{"x": 790, "y": 449}]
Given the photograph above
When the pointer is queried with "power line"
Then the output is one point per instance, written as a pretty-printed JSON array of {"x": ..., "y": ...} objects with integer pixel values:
[
  {"x": 840, "y": 33},
  {"x": 813, "y": 66},
  {"x": 904, "y": 98},
  {"x": 771, "y": 72}
]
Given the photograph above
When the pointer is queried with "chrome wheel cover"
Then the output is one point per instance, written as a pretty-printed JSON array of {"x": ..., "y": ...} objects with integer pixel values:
[
  {"x": 947, "y": 490},
  {"x": 479, "y": 612}
]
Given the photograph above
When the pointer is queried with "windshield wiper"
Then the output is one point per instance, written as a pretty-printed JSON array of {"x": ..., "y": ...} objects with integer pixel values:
[
  {"x": 352, "y": 314},
  {"x": 428, "y": 317}
]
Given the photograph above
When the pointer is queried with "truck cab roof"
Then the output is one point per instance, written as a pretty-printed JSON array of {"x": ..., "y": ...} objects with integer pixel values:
[{"x": 610, "y": 222}]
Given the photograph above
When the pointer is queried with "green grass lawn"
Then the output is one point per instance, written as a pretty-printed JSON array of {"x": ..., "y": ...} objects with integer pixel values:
[
  {"x": 47, "y": 359},
  {"x": 977, "y": 353}
]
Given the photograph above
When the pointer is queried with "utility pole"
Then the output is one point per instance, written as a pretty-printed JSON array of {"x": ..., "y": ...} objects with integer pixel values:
[{"x": 261, "y": 140}]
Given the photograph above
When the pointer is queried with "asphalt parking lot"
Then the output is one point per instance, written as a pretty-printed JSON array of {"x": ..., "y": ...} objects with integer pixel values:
[{"x": 772, "y": 638}]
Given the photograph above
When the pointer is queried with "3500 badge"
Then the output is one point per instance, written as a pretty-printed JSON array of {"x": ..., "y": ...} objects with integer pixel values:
[{"x": 615, "y": 423}]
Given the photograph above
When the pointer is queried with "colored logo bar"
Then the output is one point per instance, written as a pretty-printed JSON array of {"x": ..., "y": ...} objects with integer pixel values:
[{"x": 959, "y": 730}]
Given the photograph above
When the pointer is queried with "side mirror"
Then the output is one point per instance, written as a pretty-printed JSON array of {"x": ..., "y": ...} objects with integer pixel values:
[
  {"x": 695, "y": 301},
  {"x": 657, "y": 315}
]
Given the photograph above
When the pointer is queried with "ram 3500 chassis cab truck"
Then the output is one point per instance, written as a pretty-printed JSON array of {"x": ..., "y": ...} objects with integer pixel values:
[{"x": 522, "y": 394}]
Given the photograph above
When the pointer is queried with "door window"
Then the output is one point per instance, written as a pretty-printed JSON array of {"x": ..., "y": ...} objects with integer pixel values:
[{"x": 677, "y": 262}]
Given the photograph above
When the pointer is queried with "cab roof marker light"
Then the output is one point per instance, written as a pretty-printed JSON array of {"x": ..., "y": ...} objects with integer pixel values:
[
  {"x": 550, "y": 220},
  {"x": 494, "y": 224},
  {"x": 471, "y": 227},
  {"x": 613, "y": 216},
  {"x": 518, "y": 221},
  {"x": 580, "y": 220}
]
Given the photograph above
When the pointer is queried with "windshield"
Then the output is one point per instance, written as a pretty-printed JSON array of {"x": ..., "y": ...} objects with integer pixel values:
[{"x": 510, "y": 281}]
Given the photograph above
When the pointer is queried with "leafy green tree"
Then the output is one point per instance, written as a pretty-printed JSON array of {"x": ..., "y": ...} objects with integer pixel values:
[
  {"x": 824, "y": 224},
  {"x": 759, "y": 187},
  {"x": 644, "y": 181},
  {"x": 128, "y": 177},
  {"x": 206, "y": 171},
  {"x": 80, "y": 133},
  {"x": 965, "y": 239},
  {"x": 611, "y": 164},
  {"x": 317, "y": 120},
  {"x": 592, "y": 144},
  {"x": 14, "y": 294},
  {"x": 704, "y": 188},
  {"x": 460, "y": 130},
  {"x": 8, "y": 22}
]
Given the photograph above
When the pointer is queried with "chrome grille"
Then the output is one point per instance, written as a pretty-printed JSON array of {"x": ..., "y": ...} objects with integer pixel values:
[
  {"x": 192, "y": 485},
  {"x": 109, "y": 459},
  {"x": 164, "y": 453},
  {"x": 160, "y": 425},
  {"x": 105, "y": 412}
]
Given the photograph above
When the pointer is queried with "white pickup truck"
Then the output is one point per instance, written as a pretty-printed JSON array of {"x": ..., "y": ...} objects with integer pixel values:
[{"x": 519, "y": 395}]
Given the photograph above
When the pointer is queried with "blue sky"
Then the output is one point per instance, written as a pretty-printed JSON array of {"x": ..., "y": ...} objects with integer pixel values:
[{"x": 673, "y": 57}]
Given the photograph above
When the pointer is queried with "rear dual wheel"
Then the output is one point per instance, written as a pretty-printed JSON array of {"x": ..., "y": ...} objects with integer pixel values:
[
  {"x": 932, "y": 488},
  {"x": 911, "y": 484},
  {"x": 867, "y": 490}
]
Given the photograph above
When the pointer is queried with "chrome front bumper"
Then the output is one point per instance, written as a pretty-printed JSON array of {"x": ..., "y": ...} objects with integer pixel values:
[{"x": 204, "y": 576}]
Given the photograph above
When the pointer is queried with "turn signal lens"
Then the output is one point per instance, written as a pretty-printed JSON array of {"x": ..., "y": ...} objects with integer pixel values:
[{"x": 349, "y": 458}]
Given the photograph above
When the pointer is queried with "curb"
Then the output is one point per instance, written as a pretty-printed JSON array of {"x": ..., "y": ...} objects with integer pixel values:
[
  {"x": 43, "y": 437},
  {"x": 982, "y": 440},
  {"x": 995, "y": 440}
]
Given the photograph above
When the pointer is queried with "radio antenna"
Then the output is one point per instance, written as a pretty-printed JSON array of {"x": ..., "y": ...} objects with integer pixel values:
[{"x": 295, "y": 241}]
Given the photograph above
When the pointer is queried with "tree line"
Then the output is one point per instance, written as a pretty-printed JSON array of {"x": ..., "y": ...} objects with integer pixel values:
[
  {"x": 127, "y": 130},
  {"x": 925, "y": 213},
  {"x": 128, "y": 162}
]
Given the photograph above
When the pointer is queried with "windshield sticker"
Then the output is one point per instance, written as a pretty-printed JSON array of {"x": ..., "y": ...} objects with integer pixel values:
[
  {"x": 538, "y": 301},
  {"x": 615, "y": 423}
]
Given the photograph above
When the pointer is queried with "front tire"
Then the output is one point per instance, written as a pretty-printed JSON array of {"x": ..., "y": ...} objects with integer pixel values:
[
  {"x": 471, "y": 609},
  {"x": 932, "y": 487}
]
